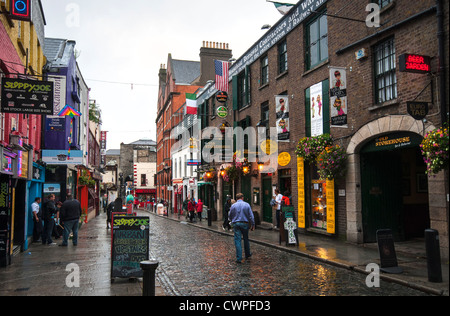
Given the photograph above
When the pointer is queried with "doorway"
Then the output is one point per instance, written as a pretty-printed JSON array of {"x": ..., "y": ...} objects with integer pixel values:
[
  {"x": 267, "y": 197},
  {"x": 394, "y": 193}
]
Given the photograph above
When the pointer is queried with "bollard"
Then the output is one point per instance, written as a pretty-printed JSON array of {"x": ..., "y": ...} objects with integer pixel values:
[
  {"x": 149, "y": 268},
  {"x": 209, "y": 218},
  {"x": 433, "y": 256}
]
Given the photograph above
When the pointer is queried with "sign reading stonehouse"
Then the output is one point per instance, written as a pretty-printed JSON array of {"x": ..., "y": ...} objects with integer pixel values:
[{"x": 27, "y": 96}]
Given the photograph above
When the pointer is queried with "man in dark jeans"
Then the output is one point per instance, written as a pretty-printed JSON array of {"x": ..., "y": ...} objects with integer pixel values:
[
  {"x": 242, "y": 219},
  {"x": 48, "y": 215},
  {"x": 70, "y": 214}
]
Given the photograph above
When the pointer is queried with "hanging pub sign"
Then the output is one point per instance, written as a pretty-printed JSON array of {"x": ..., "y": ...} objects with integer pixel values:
[
  {"x": 415, "y": 63},
  {"x": 222, "y": 96},
  {"x": 222, "y": 111},
  {"x": 26, "y": 96},
  {"x": 418, "y": 110},
  {"x": 20, "y": 10}
]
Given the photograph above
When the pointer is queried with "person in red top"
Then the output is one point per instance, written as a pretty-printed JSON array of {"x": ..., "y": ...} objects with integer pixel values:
[
  {"x": 191, "y": 210},
  {"x": 199, "y": 209},
  {"x": 285, "y": 199}
]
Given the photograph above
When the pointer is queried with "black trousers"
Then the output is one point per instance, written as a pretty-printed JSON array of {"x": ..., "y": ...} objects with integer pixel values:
[{"x": 37, "y": 230}]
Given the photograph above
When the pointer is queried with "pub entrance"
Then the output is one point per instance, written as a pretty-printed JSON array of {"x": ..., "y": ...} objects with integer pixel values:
[{"x": 394, "y": 187}]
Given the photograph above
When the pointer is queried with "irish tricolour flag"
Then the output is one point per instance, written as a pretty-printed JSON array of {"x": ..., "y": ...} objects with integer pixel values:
[{"x": 191, "y": 103}]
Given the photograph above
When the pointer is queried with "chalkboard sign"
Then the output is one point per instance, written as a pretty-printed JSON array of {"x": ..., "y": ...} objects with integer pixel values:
[
  {"x": 388, "y": 255},
  {"x": 130, "y": 246}
]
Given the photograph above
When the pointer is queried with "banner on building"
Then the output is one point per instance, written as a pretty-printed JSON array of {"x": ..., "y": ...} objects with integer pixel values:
[
  {"x": 103, "y": 138},
  {"x": 316, "y": 103},
  {"x": 26, "y": 96},
  {"x": 282, "y": 108},
  {"x": 338, "y": 97}
]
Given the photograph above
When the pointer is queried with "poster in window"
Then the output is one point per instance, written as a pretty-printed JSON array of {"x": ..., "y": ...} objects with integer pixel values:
[
  {"x": 338, "y": 97},
  {"x": 282, "y": 108},
  {"x": 316, "y": 102}
]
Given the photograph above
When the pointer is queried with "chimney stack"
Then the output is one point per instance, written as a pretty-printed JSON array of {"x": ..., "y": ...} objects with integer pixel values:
[{"x": 209, "y": 52}]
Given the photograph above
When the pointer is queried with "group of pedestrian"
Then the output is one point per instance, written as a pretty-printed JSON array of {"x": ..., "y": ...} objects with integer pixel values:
[
  {"x": 193, "y": 209},
  {"x": 56, "y": 219}
]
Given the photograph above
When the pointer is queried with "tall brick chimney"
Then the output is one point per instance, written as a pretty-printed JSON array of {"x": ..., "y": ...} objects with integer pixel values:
[{"x": 208, "y": 53}]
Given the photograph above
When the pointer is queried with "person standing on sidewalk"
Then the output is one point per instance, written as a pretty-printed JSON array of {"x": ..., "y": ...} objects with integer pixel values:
[
  {"x": 242, "y": 220},
  {"x": 49, "y": 212},
  {"x": 199, "y": 209},
  {"x": 278, "y": 200},
  {"x": 191, "y": 209},
  {"x": 226, "y": 210},
  {"x": 37, "y": 219},
  {"x": 70, "y": 215}
]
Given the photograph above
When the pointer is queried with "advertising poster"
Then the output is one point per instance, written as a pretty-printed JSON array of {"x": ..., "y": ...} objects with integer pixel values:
[
  {"x": 282, "y": 108},
  {"x": 338, "y": 96},
  {"x": 316, "y": 103}
]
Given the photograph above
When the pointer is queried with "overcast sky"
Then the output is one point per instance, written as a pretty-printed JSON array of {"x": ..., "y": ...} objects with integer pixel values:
[{"x": 127, "y": 41}]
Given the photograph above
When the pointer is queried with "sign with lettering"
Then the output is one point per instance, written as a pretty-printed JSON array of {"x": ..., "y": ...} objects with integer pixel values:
[
  {"x": 418, "y": 110},
  {"x": 415, "y": 63},
  {"x": 286, "y": 25},
  {"x": 27, "y": 96},
  {"x": 130, "y": 246}
]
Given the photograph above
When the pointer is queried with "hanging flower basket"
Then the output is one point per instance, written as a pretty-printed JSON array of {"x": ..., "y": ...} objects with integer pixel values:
[
  {"x": 332, "y": 163},
  {"x": 435, "y": 150},
  {"x": 309, "y": 148}
]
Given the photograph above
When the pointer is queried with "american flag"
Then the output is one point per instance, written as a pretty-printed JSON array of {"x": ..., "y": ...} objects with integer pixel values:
[{"x": 222, "y": 68}]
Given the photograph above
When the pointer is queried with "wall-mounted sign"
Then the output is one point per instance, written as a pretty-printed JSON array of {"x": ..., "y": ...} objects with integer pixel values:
[
  {"x": 61, "y": 157},
  {"x": 415, "y": 63},
  {"x": 222, "y": 96},
  {"x": 418, "y": 110},
  {"x": 284, "y": 159},
  {"x": 222, "y": 111},
  {"x": 283, "y": 121},
  {"x": 27, "y": 96},
  {"x": 338, "y": 96},
  {"x": 20, "y": 10}
]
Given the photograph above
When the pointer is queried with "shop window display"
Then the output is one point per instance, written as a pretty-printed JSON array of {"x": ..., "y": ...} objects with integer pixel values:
[{"x": 319, "y": 204}]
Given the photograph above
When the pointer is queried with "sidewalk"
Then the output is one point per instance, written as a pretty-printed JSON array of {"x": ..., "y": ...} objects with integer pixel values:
[
  {"x": 411, "y": 255},
  {"x": 41, "y": 271}
]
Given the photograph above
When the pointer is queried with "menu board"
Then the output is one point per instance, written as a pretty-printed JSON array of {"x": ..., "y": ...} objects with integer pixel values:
[{"x": 130, "y": 246}]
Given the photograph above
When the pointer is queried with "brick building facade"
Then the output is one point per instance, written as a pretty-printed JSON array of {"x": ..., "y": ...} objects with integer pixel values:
[{"x": 385, "y": 186}]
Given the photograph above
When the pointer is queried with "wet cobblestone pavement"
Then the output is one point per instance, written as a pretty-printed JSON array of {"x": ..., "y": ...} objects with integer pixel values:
[{"x": 196, "y": 262}]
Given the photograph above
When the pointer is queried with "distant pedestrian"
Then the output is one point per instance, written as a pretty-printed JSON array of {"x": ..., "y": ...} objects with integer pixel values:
[
  {"x": 109, "y": 211},
  {"x": 70, "y": 216},
  {"x": 242, "y": 219},
  {"x": 278, "y": 200},
  {"x": 37, "y": 219},
  {"x": 48, "y": 215},
  {"x": 185, "y": 208},
  {"x": 285, "y": 200},
  {"x": 226, "y": 210},
  {"x": 191, "y": 210},
  {"x": 199, "y": 209}
]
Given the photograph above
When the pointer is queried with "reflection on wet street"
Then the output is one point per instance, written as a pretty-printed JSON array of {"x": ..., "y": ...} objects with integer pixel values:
[{"x": 197, "y": 262}]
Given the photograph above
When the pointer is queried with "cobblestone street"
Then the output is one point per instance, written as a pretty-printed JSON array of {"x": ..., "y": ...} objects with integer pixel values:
[{"x": 196, "y": 262}]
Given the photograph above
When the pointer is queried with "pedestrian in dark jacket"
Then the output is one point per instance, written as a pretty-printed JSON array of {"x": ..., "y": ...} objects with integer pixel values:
[
  {"x": 70, "y": 215},
  {"x": 48, "y": 215},
  {"x": 226, "y": 210}
]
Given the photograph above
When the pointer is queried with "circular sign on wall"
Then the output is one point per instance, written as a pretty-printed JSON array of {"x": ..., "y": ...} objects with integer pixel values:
[
  {"x": 222, "y": 111},
  {"x": 222, "y": 96},
  {"x": 284, "y": 159}
]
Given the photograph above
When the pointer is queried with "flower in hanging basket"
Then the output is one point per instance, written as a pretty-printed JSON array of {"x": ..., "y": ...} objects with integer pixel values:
[
  {"x": 332, "y": 163},
  {"x": 435, "y": 148},
  {"x": 309, "y": 148}
]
